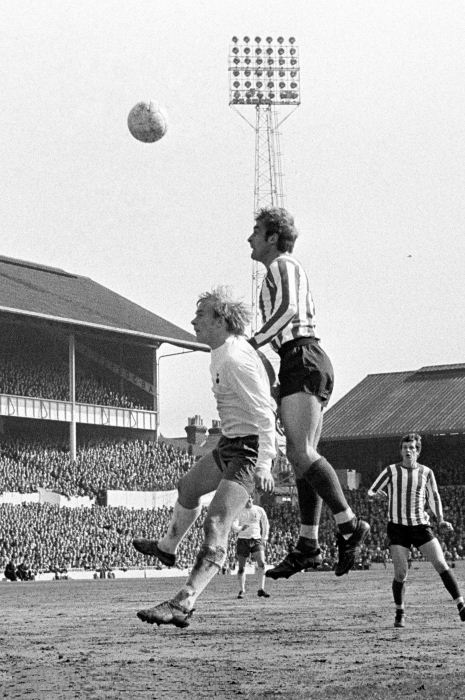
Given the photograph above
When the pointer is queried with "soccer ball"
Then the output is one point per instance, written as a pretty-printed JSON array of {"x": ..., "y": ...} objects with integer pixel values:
[{"x": 147, "y": 122}]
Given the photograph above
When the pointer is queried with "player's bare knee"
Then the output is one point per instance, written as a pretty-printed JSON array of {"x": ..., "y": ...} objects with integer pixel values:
[{"x": 301, "y": 458}]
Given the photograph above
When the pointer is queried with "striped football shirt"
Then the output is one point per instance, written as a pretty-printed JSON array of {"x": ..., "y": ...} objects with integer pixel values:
[
  {"x": 286, "y": 304},
  {"x": 409, "y": 491}
]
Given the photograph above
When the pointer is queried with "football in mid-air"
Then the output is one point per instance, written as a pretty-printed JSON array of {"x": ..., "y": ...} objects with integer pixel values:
[{"x": 147, "y": 122}]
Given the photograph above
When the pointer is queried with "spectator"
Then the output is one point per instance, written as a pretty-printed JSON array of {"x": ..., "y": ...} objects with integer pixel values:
[
  {"x": 25, "y": 372},
  {"x": 10, "y": 571},
  {"x": 128, "y": 465},
  {"x": 89, "y": 538}
]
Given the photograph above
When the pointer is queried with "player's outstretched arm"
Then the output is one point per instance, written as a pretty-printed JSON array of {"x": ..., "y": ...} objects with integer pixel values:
[{"x": 379, "y": 485}]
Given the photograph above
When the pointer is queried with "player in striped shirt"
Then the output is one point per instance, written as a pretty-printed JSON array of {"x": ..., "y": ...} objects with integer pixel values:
[
  {"x": 306, "y": 382},
  {"x": 411, "y": 487}
]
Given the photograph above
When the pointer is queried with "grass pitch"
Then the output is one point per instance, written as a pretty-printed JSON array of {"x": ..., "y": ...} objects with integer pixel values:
[{"x": 316, "y": 637}]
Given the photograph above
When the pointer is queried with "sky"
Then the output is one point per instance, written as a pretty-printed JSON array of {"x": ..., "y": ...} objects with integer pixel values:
[{"x": 373, "y": 164}]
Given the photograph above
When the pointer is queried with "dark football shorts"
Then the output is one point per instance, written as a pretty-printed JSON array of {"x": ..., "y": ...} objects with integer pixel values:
[
  {"x": 236, "y": 459},
  {"x": 245, "y": 546},
  {"x": 408, "y": 535},
  {"x": 305, "y": 367}
]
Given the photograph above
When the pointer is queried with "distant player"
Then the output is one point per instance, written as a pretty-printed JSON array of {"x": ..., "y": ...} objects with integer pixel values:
[
  {"x": 240, "y": 462},
  {"x": 252, "y": 527},
  {"x": 410, "y": 487},
  {"x": 305, "y": 387}
]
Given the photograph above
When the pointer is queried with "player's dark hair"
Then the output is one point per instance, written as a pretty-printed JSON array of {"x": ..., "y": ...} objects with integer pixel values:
[
  {"x": 278, "y": 220},
  {"x": 235, "y": 313},
  {"x": 412, "y": 437}
]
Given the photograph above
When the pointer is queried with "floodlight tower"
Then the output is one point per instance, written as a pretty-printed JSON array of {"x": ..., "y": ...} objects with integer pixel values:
[{"x": 265, "y": 75}]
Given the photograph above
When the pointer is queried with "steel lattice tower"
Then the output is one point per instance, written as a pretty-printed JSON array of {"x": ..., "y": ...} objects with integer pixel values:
[{"x": 267, "y": 77}]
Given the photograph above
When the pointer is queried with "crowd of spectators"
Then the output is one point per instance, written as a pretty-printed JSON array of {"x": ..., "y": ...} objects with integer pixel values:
[
  {"x": 127, "y": 465},
  {"x": 448, "y": 465},
  {"x": 42, "y": 537},
  {"x": 48, "y": 538},
  {"x": 25, "y": 372}
]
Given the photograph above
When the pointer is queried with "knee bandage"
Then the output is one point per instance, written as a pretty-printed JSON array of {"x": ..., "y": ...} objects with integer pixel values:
[{"x": 214, "y": 555}]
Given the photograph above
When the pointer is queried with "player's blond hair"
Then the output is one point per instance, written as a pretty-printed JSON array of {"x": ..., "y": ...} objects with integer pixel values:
[{"x": 235, "y": 312}]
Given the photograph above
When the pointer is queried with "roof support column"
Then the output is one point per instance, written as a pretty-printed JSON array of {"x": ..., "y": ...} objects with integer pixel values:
[
  {"x": 72, "y": 395},
  {"x": 156, "y": 390}
]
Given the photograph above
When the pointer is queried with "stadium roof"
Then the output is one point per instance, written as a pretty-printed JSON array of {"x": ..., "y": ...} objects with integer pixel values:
[
  {"x": 428, "y": 400},
  {"x": 50, "y": 294}
]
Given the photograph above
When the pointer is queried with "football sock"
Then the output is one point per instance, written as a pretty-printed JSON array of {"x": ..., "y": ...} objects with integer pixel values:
[
  {"x": 241, "y": 576},
  {"x": 180, "y": 523},
  {"x": 322, "y": 477},
  {"x": 346, "y": 522},
  {"x": 398, "y": 592},
  {"x": 310, "y": 504},
  {"x": 208, "y": 562},
  {"x": 305, "y": 544},
  {"x": 309, "y": 532}
]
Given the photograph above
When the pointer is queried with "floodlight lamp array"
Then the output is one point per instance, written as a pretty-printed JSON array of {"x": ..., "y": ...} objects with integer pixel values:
[{"x": 264, "y": 73}]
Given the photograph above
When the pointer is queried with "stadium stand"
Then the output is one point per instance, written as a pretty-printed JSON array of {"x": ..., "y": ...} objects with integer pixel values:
[
  {"x": 50, "y": 538},
  {"x": 67, "y": 339},
  {"x": 131, "y": 465},
  {"x": 47, "y": 379},
  {"x": 362, "y": 430},
  {"x": 52, "y": 321}
]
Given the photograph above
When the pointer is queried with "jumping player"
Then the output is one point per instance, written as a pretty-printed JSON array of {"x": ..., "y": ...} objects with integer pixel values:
[
  {"x": 240, "y": 462},
  {"x": 252, "y": 527},
  {"x": 410, "y": 487},
  {"x": 306, "y": 383}
]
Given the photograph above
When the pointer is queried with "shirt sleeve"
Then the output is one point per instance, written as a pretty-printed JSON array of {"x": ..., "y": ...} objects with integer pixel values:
[
  {"x": 380, "y": 484},
  {"x": 251, "y": 385},
  {"x": 433, "y": 498},
  {"x": 264, "y": 525},
  {"x": 284, "y": 306},
  {"x": 236, "y": 526}
]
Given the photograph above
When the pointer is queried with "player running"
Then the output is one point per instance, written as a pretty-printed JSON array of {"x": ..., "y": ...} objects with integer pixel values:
[
  {"x": 410, "y": 487},
  {"x": 306, "y": 382},
  {"x": 252, "y": 527},
  {"x": 241, "y": 460}
]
